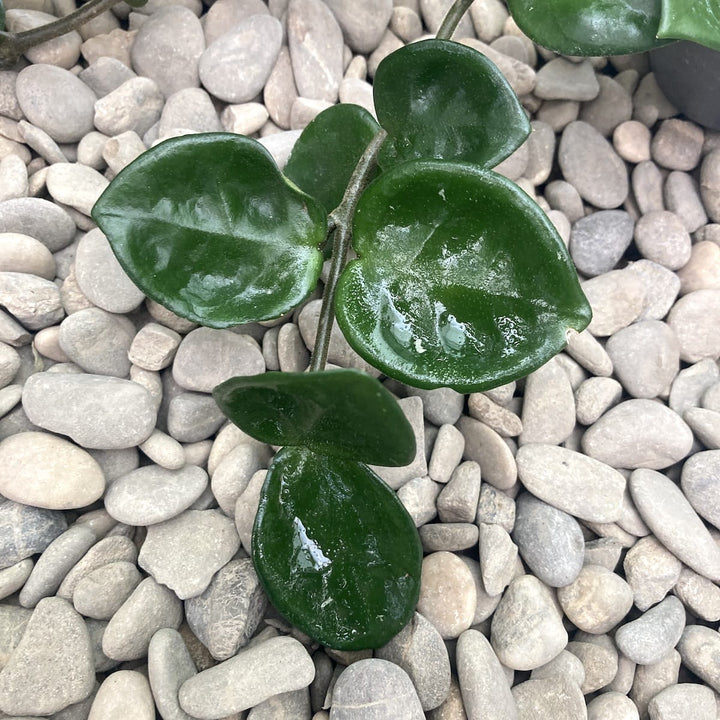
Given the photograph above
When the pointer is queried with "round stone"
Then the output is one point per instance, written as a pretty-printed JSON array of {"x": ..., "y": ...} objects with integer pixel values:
[
  {"x": 24, "y": 254},
  {"x": 660, "y": 236},
  {"x": 46, "y": 471},
  {"x": 550, "y": 697},
  {"x": 695, "y": 318},
  {"x": 101, "y": 593},
  {"x": 30, "y": 531},
  {"x": 599, "y": 240},
  {"x": 38, "y": 218},
  {"x": 126, "y": 694},
  {"x": 700, "y": 482}
]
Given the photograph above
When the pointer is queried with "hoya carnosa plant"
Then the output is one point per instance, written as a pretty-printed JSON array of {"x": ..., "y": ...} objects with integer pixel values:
[{"x": 459, "y": 280}]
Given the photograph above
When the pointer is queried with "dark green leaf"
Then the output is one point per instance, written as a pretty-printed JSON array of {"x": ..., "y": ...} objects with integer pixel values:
[
  {"x": 590, "y": 27},
  {"x": 340, "y": 412},
  {"x": 438, "y": 99},
  {"x": 335, "y": 549},
  {"x": 461, "y": 280},
  {"x": 696, "y": 20},
  {"x": 325, "y": 155},
  {"x": 209, "y": 227}
]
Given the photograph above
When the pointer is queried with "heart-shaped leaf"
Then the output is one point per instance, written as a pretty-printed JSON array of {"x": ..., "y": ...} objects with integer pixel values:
[
  {"x": 438, "y": 99},
  {"x": 335, "y": 549},
  {"x": 209, "y": 227},
  {"x": 696, "y": 20},
  {"x": 461, "y": 281},
  {"x": 590, "y": 27},
  {"x": 325, "y": 155},
  {"x": 340, "y": 412}
]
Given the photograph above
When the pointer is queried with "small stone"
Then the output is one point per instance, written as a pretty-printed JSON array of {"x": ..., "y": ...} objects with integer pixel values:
[
  {"x": 447, "y": 594},
  {"x": 527, "y": 629},
  {"x": 446, "y": 454},
  {"x": 53, "y": 658},
  {"x": 167, "y": 49},
  {"x": 649, "y": 638},
  {"x": 560, "y": 79},
  {"x": 232, "y": 355},
  {"x": 595, "y": 396},
  {"x": 695, "y": 318},
  {"x": 12, "y": 578},
  {"x": 700, "y": 595},
  {"x": 225, "y": 616},
  {"x": 495, "y": 507},
  {"x": 94, "y": 410},
  {"x": 710, "y": 184},
  {"x": 589, "y": 353},
  {"x": 661, "y": 237},
  {"x": 75, "y": 185},
  {"x": 362, "y": 26},
  {"x": 672, "y": 519},
  {"x": 699, "y": 647},
  {"x": 105, "y": 75},
  {"x": 677, "y": 144},
  {"x": 125, "y": 693},
  {"x": 570, "y": 481},
  {"x": 617, "y": 298},
  {"x": 647, "y": 184},
  {"x": 419, "y": 650},
  {"x": 24, "y": 254},
  {"x": 502, "y": 420},
  {"x": 169, "y": 666},
  {"x": 280, "y": 664},
  {"x": 149, "y": 607},
  {"x": 612, "y": 706},
  {"x": 26, "y": 530},
  {"x": 458, "y": 500},
  {"x": 193, "y": 417},
  {"x": 245, "y": 119},
  {"x": 254, "y": 44},
  {"x": 551, "y": 697},
  {"x": 452, "y": 537},
  {"x": 549, "y": 540},
  {"x": 433, "y": 12},
  {"x": 589, "y": 163},
  {"x": 135, "y": 105},
  {"x": 152, "y": 494},
  {"x": 565, "y": 664},
  {"x": 32, "y": 300},
  {"x": 101, "y": 592},
  {"x": 651, "y": 571},
  {"x": 405, "y": 23},
  {"x": 676, "y": 702},
  {"x": 702, "y": 270},
  {"x": 191, "y": 109},
  {"x": 280, "y": 92},
  {"x": 441, "y": 406},
  {"x": 705, "y": 424},
  {"x": 651, "y": 679},
  {"x": 597, "y": 600},
  {"x": 56, "y": 101},
  {"x": 186, "y": 551},
  {"x": 682, "y": 197},
  {"x": 154, "y": 346},
  {"x": 485, "y": 689},
  {"x": 498, "y": 558},
  {"x": 699, "y": 482},
  {"x": 38, "y": 218},
  {"x": 599, "y": 659},
  {"x": 631, "y": 140},
  {"x": 661, "y": 288},
  {"x": 485, "y": 447},
  {"x": 638, "y": 434}
]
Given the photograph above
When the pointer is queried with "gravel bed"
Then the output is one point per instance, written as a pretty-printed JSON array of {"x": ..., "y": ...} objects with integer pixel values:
[{"x": 571, "y": 521}]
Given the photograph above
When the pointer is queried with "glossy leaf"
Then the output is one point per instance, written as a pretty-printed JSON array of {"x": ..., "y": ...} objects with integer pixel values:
[
  {"x": 207, "y": 226},
  {"x": 461, "y": 280},
  {"x": 336, "y": 551},
  {"x": 438, "y": 99},
  {"x": 696, "y": 20},
  {"x": 325, "y": 155},
  {"x": 340, "y": 412},
  {"x": 590, "y": 27}
]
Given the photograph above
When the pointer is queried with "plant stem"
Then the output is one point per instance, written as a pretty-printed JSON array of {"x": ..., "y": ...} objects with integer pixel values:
[
  {"x": 453, "y": 17},
  {"x": 13, "y": 45},
  {"x": 342, "y": 217}
]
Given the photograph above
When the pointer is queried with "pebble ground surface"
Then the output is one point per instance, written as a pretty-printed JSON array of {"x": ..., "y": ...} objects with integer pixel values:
[{"x": 570, "y": 522}]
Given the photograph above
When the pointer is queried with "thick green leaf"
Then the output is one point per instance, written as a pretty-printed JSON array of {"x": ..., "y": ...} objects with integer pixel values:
[
  {"x": 441, "y": 100},
  {"x": 335, "y": 549},
  {"x": 590, "y": 27},
  {"x": 696, "y": 20},
  {"x": 209, "y": 227},
  {"x": 461, "y": 280},
  {"x": 325, "y": 155},
  {"x": 340, "y": 412}
]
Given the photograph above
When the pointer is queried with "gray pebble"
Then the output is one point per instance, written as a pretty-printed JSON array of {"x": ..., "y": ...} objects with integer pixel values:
[
  {"x": 363, "y": 26},
  {"x": 638, "y": 434},
  {"x": 695, "y": 318},
  {"x": 167, "y": 49},
  {"x": 617, "y": 298},
  {"x": 24, "y": 254},
  {"x": 611, "y": 107},
  {"x": 125, "y": 693},
  {"x": 13, "y": 578},
  {"x": 565, "y": 664},
  {"x": 280, "y": 664},
  {"x": 702, "y": 270},
  {"x": 31, "y": 300},
  {"x": 38, "y": 218},
  {"x": 589, "y": 163},
  {"x": 26, "y": 530},
  {"x": 185, "y": 552},
  {"x": 527, "y": 629},
  {"x": 612, "y": 706},
  {"x": 246, "y": 509},
  {"x": 560, "y": 79},
  {"x": 77, "y": 187},
  {"x": 419, "y": 650},
  {"x": 599, "y": 240},
  {"x": 193, "y": 417},
  {"x": 253, "y": 44},
  {"x": 631, "y": 140},
  {"x": 283, "y": 706},
  {"x": 316, "y": 49},
  {"x": 682, "y": 700},
  {"x": 705, "y": 424},
  {"x": 647, "y": 184},
  {"x": 498, "y": 558},
  {"x": 225, "y": 616},
  {"x": 589, "y": 353},
  {"x": 149, "y": 607},
  {"x": 677, "y": 144},
  {"x": 458, "y": 500},
  {"x": 152, "y": 494},
  {"x": 570, "y": 481},
  {"x": 699, "y": 647},
  {"x": 101, "y": 592},
  {"x": 13, "y": 622},
  {"x": 649, "y": 638},
  {"x": 700, "y": 595},
  {"x": 56, "y": 101},
  {"x": 549, "y": 540},
  {"x": 94, "y": 410},
  {"x": 446, "y": 454},
  {"x": 599, "y": 659},
  {"x": 502, "y": 420},
  {"x": 541, "y": 152},
  {"x": 700, "y": 482},
  {"x": 651, "y": 679},
  {"x": 53, "y": 658},
  {"x": 190, "y": 109},
  {"x": 661, "y": 237},
  {"x": 495, "y": 506},
  {"x": 135, "y": 105},
  {"x": 661, "y": 288},
  {"x": 105, "y": 75},
  {"x": 169, "y": 666},
  {"x": 651, "y": 571},
  {"x": 378, "y": 686},
  {"x": 234, "y": 471},
  {"x": 682, "y": 197},
  {"x": 14, "y": 178},
  {"x": 448, "y": 536},
  {"x": 484, "y": 686},
  {"x": 563, "y": 196},
  {"x": 551, "y": 697},
  {"x": 485, "y": 447},
  {"x": 691, "y": 383},
  {"x": 672, "y": 519},
  {"x": 226, "y": 14},
  {"x": 594, "y": 396}
]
